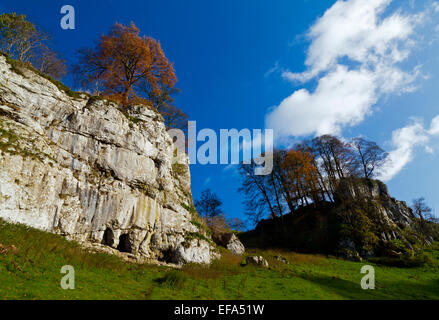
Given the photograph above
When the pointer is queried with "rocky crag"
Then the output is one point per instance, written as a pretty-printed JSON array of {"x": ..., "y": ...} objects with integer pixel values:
[
  {"x": 362, "y": 221},
  {"x": 81, "y": 167}
]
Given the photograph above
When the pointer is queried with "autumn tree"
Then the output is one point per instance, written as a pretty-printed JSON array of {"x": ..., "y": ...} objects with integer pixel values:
[
  {"x": 126, "y": 67},
  {"x": 307, "y": 174},
  {"x": 302, "y": 176},
  {"x": 308, "y": 146},
  {"x": 23, "y": 41},
  {"x": 369, "y": 156}
]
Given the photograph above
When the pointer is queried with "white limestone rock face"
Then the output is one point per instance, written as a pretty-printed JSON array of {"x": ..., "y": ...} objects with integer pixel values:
[
  {"x": 235, "y": 246},
  {"x": 395, "y": 214},
  {"x": 76, "y": 165}
]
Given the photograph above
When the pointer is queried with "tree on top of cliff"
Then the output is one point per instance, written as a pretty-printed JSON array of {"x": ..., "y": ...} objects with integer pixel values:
[
  {"x": 127, "y": 68},
  {"x": 369, "y": 156},
  {"x": 23, "y": 41},
  {"x": 301, "y": 176},
  {"x": 309, "y": 173}
]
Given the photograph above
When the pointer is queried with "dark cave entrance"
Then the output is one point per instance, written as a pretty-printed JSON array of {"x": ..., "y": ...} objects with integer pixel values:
[
  {"x": 124, "y": 243},
  {"x": 108, "y": 238}
]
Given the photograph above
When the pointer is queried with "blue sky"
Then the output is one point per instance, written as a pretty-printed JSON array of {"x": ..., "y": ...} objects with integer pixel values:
[{"x": 237, "y": 62}]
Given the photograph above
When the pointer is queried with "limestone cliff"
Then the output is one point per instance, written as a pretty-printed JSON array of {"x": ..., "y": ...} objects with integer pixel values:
[
  {"x": 78, "y": 166},
  {"x": 392, "y": 215}
]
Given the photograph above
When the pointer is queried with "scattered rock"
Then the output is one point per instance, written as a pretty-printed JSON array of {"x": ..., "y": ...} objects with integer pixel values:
[
  {"x": 8, "y": 249},
  {"x": 394, "y": 254},
  {"x": 347, "y": 244},
  {"x": 281, "y": 259},
  {"x": 350, "y": 255},
  {"x": 257, "y": 260},
  {"x": 235, "y": 246}
]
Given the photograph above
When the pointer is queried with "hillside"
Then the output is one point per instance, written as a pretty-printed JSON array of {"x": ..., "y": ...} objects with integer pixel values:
[
  {"x": 363, "y": 221},
  {"x": 31, "y": 270}
]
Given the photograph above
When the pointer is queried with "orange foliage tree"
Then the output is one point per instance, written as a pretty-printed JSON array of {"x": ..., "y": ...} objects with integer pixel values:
[
  {"x": 302, "y": 175},
  {"x": 126, "y": 67}
]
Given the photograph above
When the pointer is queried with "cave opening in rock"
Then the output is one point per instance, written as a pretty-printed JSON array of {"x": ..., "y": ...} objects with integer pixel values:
[
  {"x": 108, "y": 238},
  {"x": 124, "y": 243},
  {"x": 168, "y": 256}
]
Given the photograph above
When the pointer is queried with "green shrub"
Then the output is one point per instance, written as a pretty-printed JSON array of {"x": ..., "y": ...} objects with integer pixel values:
[
  {"x": 397, "y": 245},
  {"x": 361, "y": 230},
  {"x": 408, "y": 259},
  {"x": 191, "y": 208},
  {"x": 179, "y": 169},
  {"x": 196, "y": 235},
  {"x": 197, "y": 224},
  {"x": 130, "y": 118}
]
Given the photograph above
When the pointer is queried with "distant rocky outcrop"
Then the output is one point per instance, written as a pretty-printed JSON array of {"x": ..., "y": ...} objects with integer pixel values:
[
  {"x": 81, "y": 167},
  {"x": 363, "y": 218},
  {"x": 395, "y": 215}
]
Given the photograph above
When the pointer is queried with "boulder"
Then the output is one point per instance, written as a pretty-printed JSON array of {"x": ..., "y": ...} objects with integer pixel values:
[
  {"x": 229, "y": 241},
  {"x": 350, "y": 255},
  {"x": 281, "y": 259},
  {"x": 257, "y": 260}
]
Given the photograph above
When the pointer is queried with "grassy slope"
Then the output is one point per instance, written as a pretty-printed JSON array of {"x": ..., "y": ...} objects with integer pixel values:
[{"x": 33, "y": 272}]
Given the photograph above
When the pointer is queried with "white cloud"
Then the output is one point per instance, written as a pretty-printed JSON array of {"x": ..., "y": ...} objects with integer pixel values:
[
  {"x": 405, "y": 141},
  {"x": 272, "y": 70},
  {"x": 434, "y": 128},
  {"x": 352, "y": 31},
  {"x": 429, "y": 150},
  {"x": 342, "y": 97}
]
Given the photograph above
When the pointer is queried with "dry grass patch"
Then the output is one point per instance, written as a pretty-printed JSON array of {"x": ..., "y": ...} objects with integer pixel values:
[
  {"x": 229, "y": 264},
  {"x": 292, "y": 257}
]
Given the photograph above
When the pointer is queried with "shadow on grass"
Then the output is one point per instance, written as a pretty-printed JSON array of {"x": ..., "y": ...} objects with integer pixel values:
[{"x": 353, "y": 291}]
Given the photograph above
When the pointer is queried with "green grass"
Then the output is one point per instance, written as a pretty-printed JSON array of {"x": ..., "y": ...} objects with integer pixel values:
[
  {"x": 10, "y": 143},
  {"x": 130, "y": 118},
  {"x": 32, "y": 271}
]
